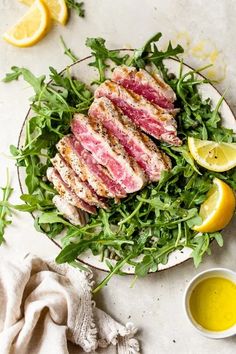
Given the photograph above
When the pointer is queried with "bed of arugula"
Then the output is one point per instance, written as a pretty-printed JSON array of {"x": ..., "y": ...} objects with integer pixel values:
[{"x": 153, "y": 222}]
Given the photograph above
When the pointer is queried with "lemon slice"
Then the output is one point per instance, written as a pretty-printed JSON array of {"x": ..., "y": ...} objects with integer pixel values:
[
  {"x": 218, "y": 209},
  {"x": 218, "y": 157},
  {"x": 57, "y": 8},
  {"x": 31, "y": 27}
]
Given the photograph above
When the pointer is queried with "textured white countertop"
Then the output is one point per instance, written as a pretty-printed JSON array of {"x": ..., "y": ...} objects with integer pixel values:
[{"x": 154, "y": 304}]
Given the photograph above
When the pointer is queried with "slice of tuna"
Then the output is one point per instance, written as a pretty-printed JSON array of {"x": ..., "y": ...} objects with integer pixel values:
[
  {"x": 87, "y": 168},
  {"x": 151, "y": 119},
  {"x": 107, "y": 150},
  {"x": 137, "y": 144},
  {"x": 64, "y": 190},
  {"x": 74, "y": 215},
  {"x": 153, "y": 88},
  {"x": 80, "y": 188}
]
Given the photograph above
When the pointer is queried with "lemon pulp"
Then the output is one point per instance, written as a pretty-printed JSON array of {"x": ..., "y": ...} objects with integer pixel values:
[
  {"x": 212, "y": 155},
  {"x": 213, "y": 303}
]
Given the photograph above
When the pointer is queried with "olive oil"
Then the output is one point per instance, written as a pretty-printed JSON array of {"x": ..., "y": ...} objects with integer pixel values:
[{"x": 213, "y": 303}]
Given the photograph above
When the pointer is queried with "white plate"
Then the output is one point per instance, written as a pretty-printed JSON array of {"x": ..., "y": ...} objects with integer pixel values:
[{"x": 87, "y": 74}]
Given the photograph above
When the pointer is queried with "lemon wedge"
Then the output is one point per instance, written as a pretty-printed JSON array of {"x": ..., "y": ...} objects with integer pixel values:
[
  {"x": 218, "y": 157},
  {"x": 31, "y": 27},
  {"x": 218, "y": 209},
  {"x": 57, "y": 9}
]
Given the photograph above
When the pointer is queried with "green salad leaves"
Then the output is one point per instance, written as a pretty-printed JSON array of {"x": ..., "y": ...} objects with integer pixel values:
[
  {"x": 144, "y": 228},
  {"x": 102, "y": 55},
  {"x": 78, "y": 7},
  {"x": 5, "y": 211}
]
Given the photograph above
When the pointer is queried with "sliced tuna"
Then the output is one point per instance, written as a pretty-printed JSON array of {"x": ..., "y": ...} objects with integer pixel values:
[
  {"x": 151, "y": 119},
  {"x": 64, "y": 190},
  {"x": 153, "y": 88},
  {"x": 136, "y": 143},
  {"x": 107, "y": 150},
  {"x": 87, "y": 168},
  {"x": 81, "y": 189},
  {"x": 74, "y": 215}
]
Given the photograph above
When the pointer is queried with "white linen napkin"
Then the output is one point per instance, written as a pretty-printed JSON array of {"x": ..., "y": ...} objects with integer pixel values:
[{"x": 42, "y": 305}]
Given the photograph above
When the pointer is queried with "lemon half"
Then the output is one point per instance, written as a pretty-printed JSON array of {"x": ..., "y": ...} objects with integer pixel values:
[
  {"x": 31, "y": 27},
  {"x": 218, "y": 157},
  {"x": 218, "y": 209}
]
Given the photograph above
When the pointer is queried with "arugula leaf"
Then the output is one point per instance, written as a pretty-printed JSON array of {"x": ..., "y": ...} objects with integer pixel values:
[
  {"x": 5, "y": 211},
  {"x": 71, "y": 251},
  {"x": 115, "y": 270},
  {"x": 50, "y": 218},
  {"x": 23, "y": 207},
  {"x": 201, "y": 243},
  {"x": 218, "y": 237},
  {"x": 79, "y": 265},
  {"x": 31, "y": 180},
  {"x": 101, "y": 55},
  {"x": 68, "y": 51},
  {"x": 158, "y": 56},
  {"x": 77, "y": 6},
  {"x": 14, "y": 75},
  {"x": 143, "y": 267},
  {"x": 187, "y": 156},
  {"x": 137, "y": 58},
  {"x": 150, "y": 53},
  {"x": 36, "y": 83}
]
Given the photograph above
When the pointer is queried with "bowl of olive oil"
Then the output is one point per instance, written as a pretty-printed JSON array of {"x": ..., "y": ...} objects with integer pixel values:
[{"x": 210, "y": 303}]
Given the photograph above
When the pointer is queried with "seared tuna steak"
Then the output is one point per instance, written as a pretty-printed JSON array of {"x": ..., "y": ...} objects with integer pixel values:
[
  {"x": 153, "y": 88},
  {"x": 107, "y": 150},
  {"x": 153, "y": 120},
  {"x": 137, "y": 144}
]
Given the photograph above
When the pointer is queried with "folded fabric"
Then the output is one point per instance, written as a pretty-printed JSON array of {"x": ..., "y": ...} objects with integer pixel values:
[{"x": 44, "y": 304}]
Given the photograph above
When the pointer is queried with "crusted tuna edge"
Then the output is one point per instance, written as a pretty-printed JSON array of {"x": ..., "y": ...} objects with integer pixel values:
[
  {"x": 74, "y": 215},
  {"x": 107, "y": 150},
  {"x": 64, "y": 190},
  {"x": 144, "y": 150},
  {"x": 102, "y": 183},
  {"x": 144, "y": 83},
  {"x": 155, "y": 115},
  {"x": 80, "y": 188}
]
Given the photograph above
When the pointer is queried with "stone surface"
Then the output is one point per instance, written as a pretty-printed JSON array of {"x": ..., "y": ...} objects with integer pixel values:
[{"x": 154, "y": 304}]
